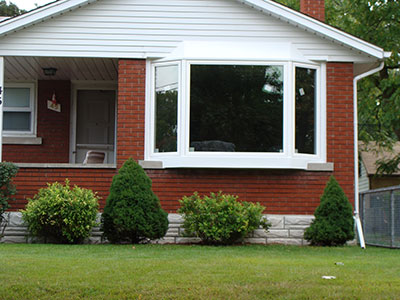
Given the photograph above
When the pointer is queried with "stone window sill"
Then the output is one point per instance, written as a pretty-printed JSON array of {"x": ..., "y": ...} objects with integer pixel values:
[
  {"x": 21, "y": 140},
  {"x": 65, "y": 166}
]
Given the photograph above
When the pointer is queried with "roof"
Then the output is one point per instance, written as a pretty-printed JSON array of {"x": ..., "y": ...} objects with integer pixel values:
[
  {"x": 370, "y": 153},
  {"x": 268, "y": 7}
]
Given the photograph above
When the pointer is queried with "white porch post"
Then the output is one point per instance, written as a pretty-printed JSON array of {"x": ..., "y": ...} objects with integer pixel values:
[{"x": 1, "y": 104}]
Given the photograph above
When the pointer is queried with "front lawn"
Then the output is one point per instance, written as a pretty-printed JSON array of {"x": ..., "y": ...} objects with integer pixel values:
[{"x": 196, "y": 272}]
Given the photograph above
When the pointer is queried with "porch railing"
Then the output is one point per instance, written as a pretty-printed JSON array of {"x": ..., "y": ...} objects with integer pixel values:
[{"x": 380, "y": 216}]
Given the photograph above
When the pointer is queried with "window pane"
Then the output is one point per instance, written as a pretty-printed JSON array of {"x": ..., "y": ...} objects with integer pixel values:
[
  {"x": 166, "y": 98},
  {"x": 236, "y": 108},
  {"x": 17, "y": 121},
  {"x": 305, "y": 110},
  {"x": 17, "y": 97}
]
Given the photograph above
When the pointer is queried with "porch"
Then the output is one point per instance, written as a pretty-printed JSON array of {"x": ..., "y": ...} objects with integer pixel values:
[{"x": 52, "y": 122}]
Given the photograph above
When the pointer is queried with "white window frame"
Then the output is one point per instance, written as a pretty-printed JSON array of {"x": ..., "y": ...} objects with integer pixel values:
[
  {"x": 32, "y": 109},
  {"x": 153, "y": 115},
  {"x": 287, "y": 159}
]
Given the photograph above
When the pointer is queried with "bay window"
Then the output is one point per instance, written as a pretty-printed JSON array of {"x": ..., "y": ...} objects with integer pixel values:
[{"x": 235, "y": 114}]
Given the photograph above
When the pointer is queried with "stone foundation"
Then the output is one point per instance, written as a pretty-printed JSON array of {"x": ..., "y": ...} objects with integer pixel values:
[{"x": 285, "y": 229}]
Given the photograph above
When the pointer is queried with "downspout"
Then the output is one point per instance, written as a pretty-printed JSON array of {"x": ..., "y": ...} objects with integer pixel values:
[{"x": 356, "y": 189}]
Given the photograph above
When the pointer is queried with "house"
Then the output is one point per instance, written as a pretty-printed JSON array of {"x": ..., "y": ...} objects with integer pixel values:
[
  {"x": 368, "y": 178},
  {"x": 244, "y": 96}
]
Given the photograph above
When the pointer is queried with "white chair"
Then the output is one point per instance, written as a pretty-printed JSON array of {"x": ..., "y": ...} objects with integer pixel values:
[{"x": 94, "y": 157}]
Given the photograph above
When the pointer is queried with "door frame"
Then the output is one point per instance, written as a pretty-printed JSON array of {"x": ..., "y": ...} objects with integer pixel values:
[{"x": 94, "y": 86}]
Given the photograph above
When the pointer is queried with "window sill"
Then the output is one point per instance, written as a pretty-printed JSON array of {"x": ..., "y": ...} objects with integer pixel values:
[
  {"x": 21, "y": 140},
  {"x": 254, "y": 163},
  {"x": 65, "y": 166}
]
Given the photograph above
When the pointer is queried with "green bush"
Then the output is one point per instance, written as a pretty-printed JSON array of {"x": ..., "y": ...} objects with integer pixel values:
[
  {"x": 7, "y": 189},
  {"x": 333, "y": 224},
  {"x": 133, "y": 212},
  {"x": 61, "y": 214},
  {"x": 220, "y": 218}
]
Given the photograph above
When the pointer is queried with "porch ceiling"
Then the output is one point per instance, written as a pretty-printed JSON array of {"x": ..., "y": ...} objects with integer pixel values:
[{"x": 19, "y": 68}]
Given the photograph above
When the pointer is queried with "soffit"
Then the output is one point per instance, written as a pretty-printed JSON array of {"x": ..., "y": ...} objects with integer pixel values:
[{"x": 30, "y": 68}]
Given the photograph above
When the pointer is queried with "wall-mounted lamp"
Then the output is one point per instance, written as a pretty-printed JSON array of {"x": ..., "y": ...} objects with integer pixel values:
[{"x": 49, "y": 71}]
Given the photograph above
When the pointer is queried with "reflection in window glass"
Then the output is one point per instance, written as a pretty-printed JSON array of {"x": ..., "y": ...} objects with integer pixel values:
[
  {"x": 17, "y": 121},
  {"x": 305, "y": 110},
  {"x": 236, "y": 108},
  {"x": 166, "y": 115}
]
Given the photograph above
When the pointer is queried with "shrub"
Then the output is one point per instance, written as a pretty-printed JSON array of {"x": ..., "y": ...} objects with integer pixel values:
[
  {"x": 61, "y": 214},
  {"x": 133, "y": 212},
  {"x": 333, "y": 224},
  {"x": 220, "y": 218},
  {"x": 7, "y": 189}
]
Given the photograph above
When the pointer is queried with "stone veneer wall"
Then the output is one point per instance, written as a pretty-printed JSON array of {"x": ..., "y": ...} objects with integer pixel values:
[{"x": 285, "y": 229}]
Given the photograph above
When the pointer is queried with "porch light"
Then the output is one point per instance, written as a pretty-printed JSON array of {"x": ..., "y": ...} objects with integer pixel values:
[{"x": 49, "y": 71}]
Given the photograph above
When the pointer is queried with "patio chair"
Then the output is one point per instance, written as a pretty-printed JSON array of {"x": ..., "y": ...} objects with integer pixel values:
[{"x": 94, "y": 157}]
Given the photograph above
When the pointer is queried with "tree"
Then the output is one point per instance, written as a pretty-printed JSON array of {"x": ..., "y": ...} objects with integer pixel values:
[
  {"x": 133, "y": 212},
  {"x": 377, "y": 22},
  {"x": 9, "y": 10},
  {"x": 333, "y": 224}
]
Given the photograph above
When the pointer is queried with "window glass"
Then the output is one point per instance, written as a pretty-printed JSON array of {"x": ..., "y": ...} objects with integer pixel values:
[
  {"x": 17, "y": 97},
  {"x": 166, "y": 105},
  {"x": 305, "y": 110},
  {"x": 16, "y": 121},
  {"x": 236, "y": 108}
]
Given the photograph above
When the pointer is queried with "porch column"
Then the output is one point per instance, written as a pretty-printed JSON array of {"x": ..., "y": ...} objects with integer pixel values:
[{"x": 1, "y": 103}]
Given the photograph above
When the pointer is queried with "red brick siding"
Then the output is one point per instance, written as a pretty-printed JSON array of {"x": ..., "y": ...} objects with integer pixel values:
[
  {"x": 131, "y": 110},
  {"x": 52, "y": 127},
  {"x": 313, "y": 8},
  {"x": 281, "y": 191},
  {"x": 340, "y": 133},
  {"x": 30, "y": 180}
]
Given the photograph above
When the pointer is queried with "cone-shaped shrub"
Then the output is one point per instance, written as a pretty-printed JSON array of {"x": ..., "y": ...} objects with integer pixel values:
[
  {"x": 133, "y": 212},
  {"x": 333, "y": 224}
]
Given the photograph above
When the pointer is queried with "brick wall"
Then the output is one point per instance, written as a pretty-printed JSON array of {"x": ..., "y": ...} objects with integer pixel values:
[
  {"x": 52, "y": 127},
  {"x": 131, "y": 110},
  {"x": 340, "y": 133},
  {"x": 313, "y": 8},
  {"x": 281, "y": 191},
  {"x": 30, "y": 180}
]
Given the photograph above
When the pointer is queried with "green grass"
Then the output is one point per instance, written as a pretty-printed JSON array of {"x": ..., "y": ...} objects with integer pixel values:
[{"x": 196, "y": 272}]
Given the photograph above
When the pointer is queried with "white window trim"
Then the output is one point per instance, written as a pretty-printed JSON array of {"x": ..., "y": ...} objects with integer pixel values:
[
  {"x": 32, "y": 109},
  {"x": 183, "y": 158}
]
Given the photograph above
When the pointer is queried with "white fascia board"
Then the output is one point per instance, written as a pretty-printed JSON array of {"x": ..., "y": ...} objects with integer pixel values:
[
  {"x": 40, "y": 14},
  {"x": 299, "y": 19}
]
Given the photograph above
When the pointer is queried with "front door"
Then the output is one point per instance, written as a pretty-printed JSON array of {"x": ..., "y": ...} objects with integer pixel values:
[{"x": 95, "y": 123}]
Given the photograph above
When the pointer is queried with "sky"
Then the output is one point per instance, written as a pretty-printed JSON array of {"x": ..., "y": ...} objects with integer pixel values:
[{"x": 29, "y": 4}]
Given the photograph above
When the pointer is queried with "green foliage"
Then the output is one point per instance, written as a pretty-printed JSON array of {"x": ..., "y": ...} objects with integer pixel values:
[
  {"x": 7, "y": 188},
  {"x": 133, "y": 212},
  {"x": 294, "y": 4},
  {"x": 378, "y": 94},
  {"x": 333, "y": 224},
  {"x": 9, "y": 10},
  {"x": 220, "y": 218},
  {"x": 61, "y": 214}
]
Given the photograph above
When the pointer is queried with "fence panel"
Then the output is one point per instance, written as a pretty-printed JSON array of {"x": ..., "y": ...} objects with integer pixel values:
[{"x": 380, "y": 216}]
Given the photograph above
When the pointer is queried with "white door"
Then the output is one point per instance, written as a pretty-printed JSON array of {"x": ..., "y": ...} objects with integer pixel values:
[{"x": 95, "y": 123}]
